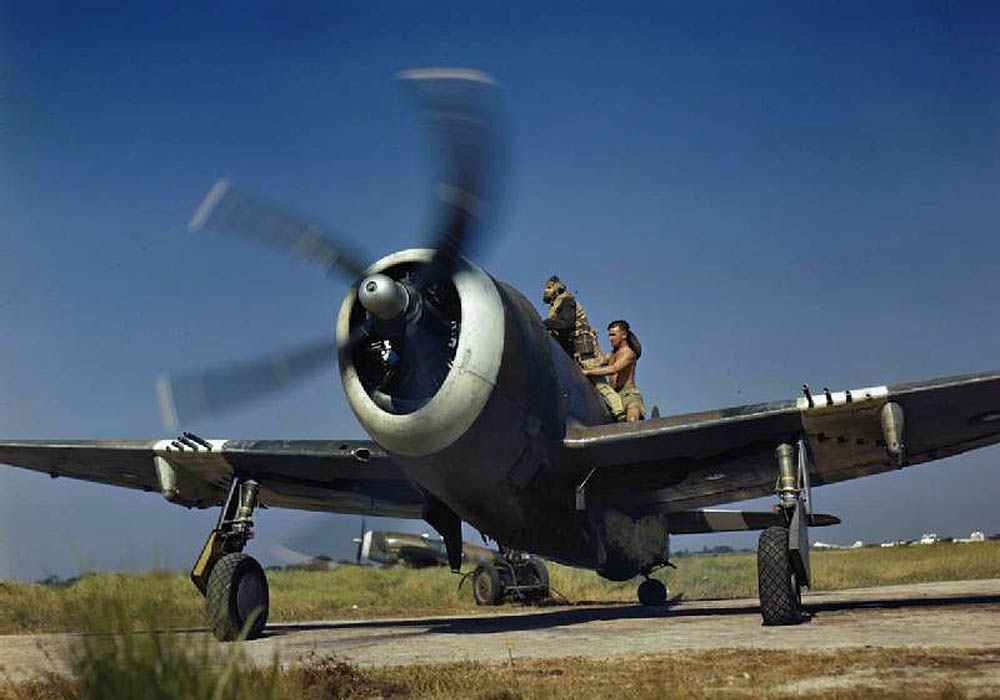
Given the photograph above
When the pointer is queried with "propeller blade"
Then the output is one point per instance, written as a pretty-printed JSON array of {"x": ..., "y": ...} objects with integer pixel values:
[
  {"x": 361, "y": 542},
  {"x": 186, "y": 397},
  {"x": 228, "y": 210},
  {"x": 460, "y": 108}
]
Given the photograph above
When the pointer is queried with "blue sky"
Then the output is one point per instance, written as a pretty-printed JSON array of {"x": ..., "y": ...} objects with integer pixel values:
[{"x": 771, "y": 196}]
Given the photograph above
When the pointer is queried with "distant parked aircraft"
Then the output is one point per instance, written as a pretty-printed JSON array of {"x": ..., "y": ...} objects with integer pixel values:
[
  {"x": 496, "y": 578},
  {"x": 383, "y": 547}
]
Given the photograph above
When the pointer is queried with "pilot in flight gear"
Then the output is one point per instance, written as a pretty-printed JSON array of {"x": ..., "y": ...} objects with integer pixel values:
[
  {"x": 564, "y": 309},
  {"x": 561, "y": 319},
  {"x": 567, "y": 320}
]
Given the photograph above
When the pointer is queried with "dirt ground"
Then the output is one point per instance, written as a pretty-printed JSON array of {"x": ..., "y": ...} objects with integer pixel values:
[{"x": 957, "y": 615}]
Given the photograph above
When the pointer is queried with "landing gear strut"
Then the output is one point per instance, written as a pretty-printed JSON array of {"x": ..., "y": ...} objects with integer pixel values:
[
  {"x": 513, "y": 575},
  {"x": 783, "y": 552},
  {"x": 233, "y": 583}
]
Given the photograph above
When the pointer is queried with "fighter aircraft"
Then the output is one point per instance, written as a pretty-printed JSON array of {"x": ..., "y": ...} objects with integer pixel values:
[{"x": 475, "y": 414}]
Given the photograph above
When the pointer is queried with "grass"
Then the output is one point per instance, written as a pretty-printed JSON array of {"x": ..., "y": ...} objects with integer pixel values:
[
  {"x": 113, "y": 661},
  {"x": 140, "y": 664},
  {"x": 845, "y": 674},
  {"x": 163, "y": 670},
  {"x": 355, "y": 592}
]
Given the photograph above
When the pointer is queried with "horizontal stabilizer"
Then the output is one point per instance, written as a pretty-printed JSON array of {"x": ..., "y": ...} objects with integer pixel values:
[{"x": 691, "y": 522}]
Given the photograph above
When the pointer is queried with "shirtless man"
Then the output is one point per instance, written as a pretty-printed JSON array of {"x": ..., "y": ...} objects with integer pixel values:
[{"x": 619, "y": 364}]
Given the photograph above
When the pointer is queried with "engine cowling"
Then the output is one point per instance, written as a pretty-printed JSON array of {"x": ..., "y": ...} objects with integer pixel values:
[
  {"x": 417, "y": 401},
  {"x": 477, "y": 415}
]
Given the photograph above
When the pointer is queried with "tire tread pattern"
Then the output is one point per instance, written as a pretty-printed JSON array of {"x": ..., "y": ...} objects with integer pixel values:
[
  {"x": 226, "y": 625},
  {"x": 779, "y": 603}
]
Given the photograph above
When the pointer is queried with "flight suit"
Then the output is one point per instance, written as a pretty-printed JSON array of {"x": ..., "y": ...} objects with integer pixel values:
[
  {"x": 612, "y": 399},
  {"x": 561, "y": 321},
  {"x": 584, "y": 338},
  {"x": 567, "y": 320}
]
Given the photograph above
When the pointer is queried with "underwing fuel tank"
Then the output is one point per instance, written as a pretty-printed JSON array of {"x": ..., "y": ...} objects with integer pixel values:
[{"x": 470, "y": 395}]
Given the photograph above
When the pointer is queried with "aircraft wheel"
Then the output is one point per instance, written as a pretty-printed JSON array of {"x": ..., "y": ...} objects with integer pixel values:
[
  {"x": 237, "y": 592},
  {"x": 652, "y": 592},
  {"x": 777, "y": 584},
  {"x": 539, "y": 575},
  {"x": 486, "y": 586}
]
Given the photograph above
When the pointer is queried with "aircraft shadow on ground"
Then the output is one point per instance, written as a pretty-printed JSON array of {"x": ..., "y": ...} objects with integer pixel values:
[{"x": 482, "y": 624}]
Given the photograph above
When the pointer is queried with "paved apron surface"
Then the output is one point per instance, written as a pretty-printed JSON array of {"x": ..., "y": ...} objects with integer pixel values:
[{"x": 953, "y": 614}]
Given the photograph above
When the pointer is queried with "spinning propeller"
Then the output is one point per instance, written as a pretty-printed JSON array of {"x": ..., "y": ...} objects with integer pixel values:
[
  {"x": 405, "y": 328},
  {"x": 360, "y": 541}
]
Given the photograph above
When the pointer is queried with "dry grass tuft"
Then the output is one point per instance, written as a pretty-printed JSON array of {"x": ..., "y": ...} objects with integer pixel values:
[{"x": 845, "y": 674}]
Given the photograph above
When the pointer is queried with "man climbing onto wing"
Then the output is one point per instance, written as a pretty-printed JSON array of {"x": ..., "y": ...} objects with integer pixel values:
[{"x": 619, "y": 365}]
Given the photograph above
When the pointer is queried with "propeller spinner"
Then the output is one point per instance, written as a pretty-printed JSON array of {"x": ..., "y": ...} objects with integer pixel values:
[{"x": 383, "y": 297}]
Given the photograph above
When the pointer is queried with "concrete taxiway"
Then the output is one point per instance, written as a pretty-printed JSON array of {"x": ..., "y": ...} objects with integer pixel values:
[{"x": 963, "y": 614}]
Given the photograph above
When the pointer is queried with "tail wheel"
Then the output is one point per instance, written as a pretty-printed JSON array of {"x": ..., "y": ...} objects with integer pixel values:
[
  {"x": 538, "y": 574},
  {"x": 652, "y": 592},
  {"x": 486, "y": 586},
  {"x": 237, "y": 592},
  {"x": 777, "y": 583}
]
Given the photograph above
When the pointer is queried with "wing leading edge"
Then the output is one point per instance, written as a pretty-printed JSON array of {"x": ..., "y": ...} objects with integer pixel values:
[
  {"x": 348, "y": 476},
  {"x": 704, "y": 459}
]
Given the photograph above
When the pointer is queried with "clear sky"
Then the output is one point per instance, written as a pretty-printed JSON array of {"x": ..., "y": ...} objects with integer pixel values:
[{"x": 771, "y": 196}]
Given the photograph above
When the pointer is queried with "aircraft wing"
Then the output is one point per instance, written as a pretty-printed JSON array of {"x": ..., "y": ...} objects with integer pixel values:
[
  {"x": 348, "y": 476},
  {"x": 704, "y": 459}
]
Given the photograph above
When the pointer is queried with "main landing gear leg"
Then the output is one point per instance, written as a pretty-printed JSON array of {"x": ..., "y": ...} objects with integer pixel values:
[
  {"x": 233, "y": 583},
  {"x": 783, "y": 552}
]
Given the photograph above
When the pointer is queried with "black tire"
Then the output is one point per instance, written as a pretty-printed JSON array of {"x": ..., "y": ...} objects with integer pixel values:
[
  {"x": 237, "y": 591},
  {"x": 486, "y": 586},
  {"x": 652, "y": 592},
  {"x": 777, "y": 583},
  {"x": 538, "y": 574}
]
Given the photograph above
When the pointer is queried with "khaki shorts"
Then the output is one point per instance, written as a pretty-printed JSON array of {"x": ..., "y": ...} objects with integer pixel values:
[{"x": 631, "y": 398}]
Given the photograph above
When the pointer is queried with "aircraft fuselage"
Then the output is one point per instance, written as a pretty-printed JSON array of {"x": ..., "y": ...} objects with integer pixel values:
[{"x": 489, "y": 444}]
